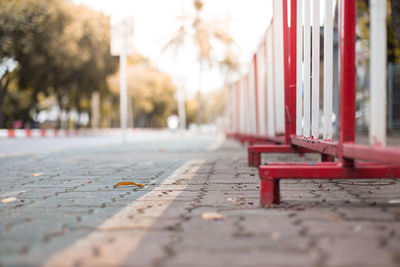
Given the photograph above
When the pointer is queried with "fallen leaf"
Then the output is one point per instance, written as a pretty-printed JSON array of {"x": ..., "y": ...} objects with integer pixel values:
[
  {"x": 212, "y": 216},
  {"x": 275, "y": 236},
  {"x": 128, "y": 183},
  {"x": 37, "y": 174},
  {"x": 8, "y": 200}
]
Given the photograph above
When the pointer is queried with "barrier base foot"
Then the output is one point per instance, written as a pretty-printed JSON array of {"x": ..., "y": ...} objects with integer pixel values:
[
  {"x": 272, "y": 173},
  {"x": 254, "y": 152}
]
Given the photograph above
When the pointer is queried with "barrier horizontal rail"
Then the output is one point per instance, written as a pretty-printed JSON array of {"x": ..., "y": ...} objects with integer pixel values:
[{"x": 287, "y": 78}]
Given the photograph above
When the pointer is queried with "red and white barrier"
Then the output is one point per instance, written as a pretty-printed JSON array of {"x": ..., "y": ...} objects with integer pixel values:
[
  {"x": 257, "y": 99},
  {"x": 279, "y": 99},
  {"x": 19, "y": 133}
]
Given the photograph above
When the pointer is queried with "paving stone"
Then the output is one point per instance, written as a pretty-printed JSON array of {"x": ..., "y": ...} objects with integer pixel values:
[{"x": 319, "y": 223}]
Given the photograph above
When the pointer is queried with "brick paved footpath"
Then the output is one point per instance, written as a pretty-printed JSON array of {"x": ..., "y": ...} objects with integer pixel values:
[{"x": 71, "y": 216}]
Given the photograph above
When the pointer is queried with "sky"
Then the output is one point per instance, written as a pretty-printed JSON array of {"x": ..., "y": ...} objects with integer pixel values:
[{"x": 156, "y": 20}]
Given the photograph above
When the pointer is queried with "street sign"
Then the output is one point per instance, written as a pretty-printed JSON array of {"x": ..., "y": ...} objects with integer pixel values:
[{"x": 122, "y": 37}]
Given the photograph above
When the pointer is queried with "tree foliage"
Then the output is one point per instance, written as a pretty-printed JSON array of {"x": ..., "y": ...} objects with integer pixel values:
[
  {"x": 60, "y": 49},
  {"x": 151, "y": 91},
  {"x": 205, "y": 33}
]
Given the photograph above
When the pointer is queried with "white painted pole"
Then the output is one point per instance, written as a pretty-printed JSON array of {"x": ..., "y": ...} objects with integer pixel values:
[
  {"x": 261, "y": 88},
  {"x": 299, "y": 86},
  {"x": 123, "y": 96},
  {"x": 232, "y": 107},
  {"x": 252, "y": 100},
  {"x": 181, "y": 107},
  {"x": 270, "y": 83},
  {"x": 315, "y": 70},
  {"x": 248, "y": 106},
  {"x": 377, "y": 134},
  {"x": 307, "y": 69},
  {"x": 328, "y": 69},
  {"x": 278, "y": 68},
  {"x": 242, "y": 106}
]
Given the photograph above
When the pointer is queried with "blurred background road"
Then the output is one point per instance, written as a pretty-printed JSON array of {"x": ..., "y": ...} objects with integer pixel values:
[{"x": 26, "y": 146}]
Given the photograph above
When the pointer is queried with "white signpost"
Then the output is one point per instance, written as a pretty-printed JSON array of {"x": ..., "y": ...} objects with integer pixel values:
[{"x": 122, "y": 46}]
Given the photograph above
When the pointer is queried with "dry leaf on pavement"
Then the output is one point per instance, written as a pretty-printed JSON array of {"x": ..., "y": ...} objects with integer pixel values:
[
  {"x": 212, "y": 216},
  {"x": 8, "y": 200},
  {"x": 128, "y": 183},
  {"x": 37, "y": 174}
]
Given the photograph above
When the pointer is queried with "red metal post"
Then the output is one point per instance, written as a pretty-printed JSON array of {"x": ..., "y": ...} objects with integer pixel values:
[
  {"x": 347, "y": 75},
  {"x": 256, "y": 92},
  {"x": 286, "y": 70}
]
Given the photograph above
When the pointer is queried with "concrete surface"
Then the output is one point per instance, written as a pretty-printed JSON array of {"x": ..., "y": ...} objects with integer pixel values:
[{"x": 72, "y": 216}]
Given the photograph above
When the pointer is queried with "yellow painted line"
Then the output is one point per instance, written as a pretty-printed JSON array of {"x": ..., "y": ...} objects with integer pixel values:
[{"x": 119, "y": 235}]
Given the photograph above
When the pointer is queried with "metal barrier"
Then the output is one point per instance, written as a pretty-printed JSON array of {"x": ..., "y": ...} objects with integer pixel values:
[
  {"x": 257, "y": 99},
  {"x": 288, "y": 61}
]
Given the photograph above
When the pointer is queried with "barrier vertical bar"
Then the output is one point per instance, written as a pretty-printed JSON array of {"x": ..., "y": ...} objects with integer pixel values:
[
  {"x": 292, "y": 66},
  {"x": 328, "y": 69},
  {"x": 252, "y": 110},
  {"x": 248, "y": 105},
  {"x": 242, "y": 106},
  {"x": 279, "y": 81},
  {"x": 237, "y": 92},
  {"x": 377, "y": 134},
  {"x": 270, "y": 83},
  {"x": 265, "y": 64},
  {"x": 299, "y": 89},
  {"x": 261, "y": 88},
  {"x": 347, "y": 74},
  {"x": 286, "y": 69},
  {"x": 307, "y": 69},
  {"x": 256, "y": 93},
  {"x": 315, "y": 71}
]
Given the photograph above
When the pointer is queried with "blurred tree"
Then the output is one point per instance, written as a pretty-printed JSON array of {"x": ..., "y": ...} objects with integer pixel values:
[
  {"x": 192, "y": 107},
  {"x": 60, "y": 48},
  {"x": 204, "y": 32},
  {"x": 395, "y": 12},
  {"x": 363, "y": 30},
  {"x": 5, "y": 81},
  {"x": 93, "y": 49},
  {"x": 151, "y": 90}
]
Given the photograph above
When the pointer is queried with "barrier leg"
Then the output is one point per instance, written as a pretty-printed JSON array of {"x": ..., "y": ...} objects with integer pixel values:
[
  {"x": 256, "y": 159},
  {"x": 269, "y": 193},
  {"x": 327, "y": 158},
  {"x": 250, "y": 156},
  {"x": 253, "y": 157}
]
